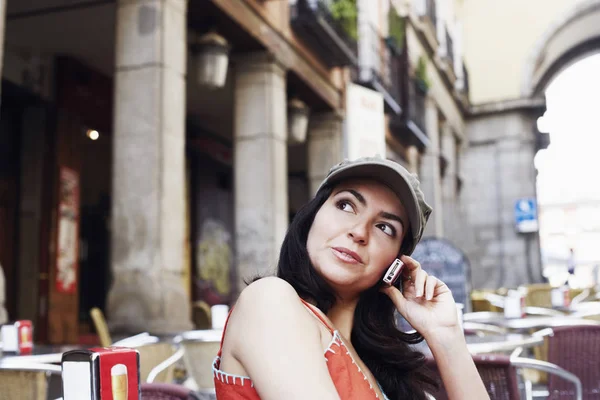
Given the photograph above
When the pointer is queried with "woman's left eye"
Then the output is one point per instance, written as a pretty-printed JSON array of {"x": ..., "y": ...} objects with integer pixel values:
[{"x": 388, "y": 230}]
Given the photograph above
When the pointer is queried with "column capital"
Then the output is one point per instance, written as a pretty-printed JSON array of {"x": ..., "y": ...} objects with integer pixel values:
[
  {"x": 325, "y": 123},
  {"x": 259, "y": 61},
  {"x": 180, "y": 4}
]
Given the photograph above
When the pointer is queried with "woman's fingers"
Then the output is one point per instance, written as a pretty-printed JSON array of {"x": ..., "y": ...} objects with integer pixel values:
[
  {"x": 411, "y": 268},
  {"x": 420, "y": 282},
  {"x": 430, "y": 286}
]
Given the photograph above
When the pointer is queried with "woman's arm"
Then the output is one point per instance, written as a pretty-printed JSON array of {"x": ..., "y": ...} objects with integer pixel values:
[
  {"x": 276, "y": 340},
  {"x": 459, "y": 374}
]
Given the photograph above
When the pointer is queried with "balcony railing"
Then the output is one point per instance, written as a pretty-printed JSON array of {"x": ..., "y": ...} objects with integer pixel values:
[
  {"x": 465, "y": 79},
  {"x": 409, "y": 126},
  {"x": 431, "y": 12},
  {"x": 449, "y": 48},
  {"x": 416, "y": 105},
  {"x": 328, "y": 27},
  {"x": 378, "y": 66}
]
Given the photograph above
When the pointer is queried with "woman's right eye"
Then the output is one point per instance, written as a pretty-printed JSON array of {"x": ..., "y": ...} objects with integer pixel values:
[{"x": 345, "y": 205}]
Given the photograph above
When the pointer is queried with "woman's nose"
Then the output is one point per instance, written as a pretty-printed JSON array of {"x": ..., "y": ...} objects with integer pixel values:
[{"x": 359, "y": 233}]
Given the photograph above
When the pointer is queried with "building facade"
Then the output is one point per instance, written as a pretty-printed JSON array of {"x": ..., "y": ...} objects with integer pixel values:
[{"x": 155, "y": 151}]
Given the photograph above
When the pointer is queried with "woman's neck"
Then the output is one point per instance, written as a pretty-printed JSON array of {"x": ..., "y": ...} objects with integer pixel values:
[{"x": 342, "y": 316}]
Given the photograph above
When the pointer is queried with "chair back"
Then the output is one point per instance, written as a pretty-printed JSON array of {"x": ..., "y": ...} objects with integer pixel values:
[
  {"x": 497, "y": 373},
  {"x": 166, "y": 391},
  {"x": 538, "y": 295},
  {"x": 25, "y": 381},
  {"x": 576, "y": 349},
  {"x": 101, "y": 327},
  {"x": 153, "y": 354},
  {"x": 198, "y": 358}
]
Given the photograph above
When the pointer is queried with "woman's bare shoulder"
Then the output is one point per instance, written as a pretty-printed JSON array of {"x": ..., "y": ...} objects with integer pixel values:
[
  {"x": 269, "y": 296},
  {"x": 270, "y": 303}
]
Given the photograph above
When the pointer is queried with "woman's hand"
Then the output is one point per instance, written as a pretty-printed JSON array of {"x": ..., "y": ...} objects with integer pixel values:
[{"x": 425, "y": 301}]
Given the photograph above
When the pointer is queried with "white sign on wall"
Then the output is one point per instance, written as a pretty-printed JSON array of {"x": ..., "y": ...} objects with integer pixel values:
[{"x": 365, "y": 123}]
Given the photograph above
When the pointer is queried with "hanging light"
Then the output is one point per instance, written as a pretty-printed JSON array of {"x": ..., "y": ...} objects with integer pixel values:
[
  {"x": 297, "y": 121},
  {"x": 211, "y": 59},
  {"x": 92, "y": 134}
]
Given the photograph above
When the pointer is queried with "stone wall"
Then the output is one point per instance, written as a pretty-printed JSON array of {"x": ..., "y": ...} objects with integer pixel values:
[{"x": 498, "y": 166}]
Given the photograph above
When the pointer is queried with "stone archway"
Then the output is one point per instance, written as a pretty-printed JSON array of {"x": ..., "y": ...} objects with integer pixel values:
[{"x": 573, "y": 36}]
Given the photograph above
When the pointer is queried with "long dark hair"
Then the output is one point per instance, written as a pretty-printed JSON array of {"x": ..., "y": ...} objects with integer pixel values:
[{"x": 383, "y": 348}]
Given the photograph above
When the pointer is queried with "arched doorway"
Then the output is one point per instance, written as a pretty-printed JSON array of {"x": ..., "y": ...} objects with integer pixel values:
[
  {"x": 568, "y": 193},
  {"x": 562, "y": 68},
  {"x": 573, "y": 36}
]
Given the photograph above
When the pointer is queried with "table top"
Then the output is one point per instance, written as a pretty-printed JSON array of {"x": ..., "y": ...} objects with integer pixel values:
[
  {"x": 497, "y": 343},
  {"x": 528, "y": 322}
]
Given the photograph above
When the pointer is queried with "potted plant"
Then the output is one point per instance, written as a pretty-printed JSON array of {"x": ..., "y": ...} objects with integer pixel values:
[
  {"x": 397, "y": 31},
  {"x": 421, "y": 79},
  {"x": 345, "y": 13}
]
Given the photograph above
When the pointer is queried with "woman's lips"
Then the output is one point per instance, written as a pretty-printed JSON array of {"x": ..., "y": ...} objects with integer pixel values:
[{"x": 347, "y": 255}]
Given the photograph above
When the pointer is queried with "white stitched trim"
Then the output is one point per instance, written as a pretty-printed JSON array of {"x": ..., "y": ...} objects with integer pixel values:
[
  {"x": 224, "y": 376},
  {"x": 336, "y": 339}
]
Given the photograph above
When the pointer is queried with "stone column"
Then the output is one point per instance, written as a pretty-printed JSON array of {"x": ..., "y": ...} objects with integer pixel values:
[
  {"x": 148, "y": 229},
  {"x": 33, "y": 146},
  {"x": 430, "y": 172},
  {"x": 449, "y": 195},
  {"x": 412, "y": 156},
  {"x": 324, "y": 147},
  {"x": 260, "y": 166}
]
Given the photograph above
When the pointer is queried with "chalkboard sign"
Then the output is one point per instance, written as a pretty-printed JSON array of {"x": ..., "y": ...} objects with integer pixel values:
[
  {"x": 440, "y": 258},
  {"x": 446, "y": 262}
]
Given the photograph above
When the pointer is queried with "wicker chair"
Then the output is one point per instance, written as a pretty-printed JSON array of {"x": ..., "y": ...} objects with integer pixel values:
[
  {"x": 165, "y": 391},
  {"x": 101, "y": 327},
  {"x": 152, "y": 355},
  {"x": 200, "y": 349},
  {"x": 499, "y": 375},
  {"x": 25, "y": 381},
  {"x": 538, "y": 295},
  {"x": 577, "y": 350}
]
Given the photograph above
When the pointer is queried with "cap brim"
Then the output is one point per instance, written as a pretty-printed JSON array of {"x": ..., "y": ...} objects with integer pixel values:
[{"x": 393, "y": 179}]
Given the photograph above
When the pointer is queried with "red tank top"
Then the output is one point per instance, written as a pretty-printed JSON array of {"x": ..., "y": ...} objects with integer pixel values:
[{"x": 349, "y": 380}]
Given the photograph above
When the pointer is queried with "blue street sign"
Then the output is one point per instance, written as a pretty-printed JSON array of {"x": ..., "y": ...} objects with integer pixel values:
[{"x": 526, "y": 219}]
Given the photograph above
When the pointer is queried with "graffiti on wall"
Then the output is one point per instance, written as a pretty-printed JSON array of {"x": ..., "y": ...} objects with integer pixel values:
[{"x": 214, "y": 257}]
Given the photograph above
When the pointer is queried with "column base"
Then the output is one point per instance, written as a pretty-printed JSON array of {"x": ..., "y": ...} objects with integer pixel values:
[{"x": 143, "y": 301}]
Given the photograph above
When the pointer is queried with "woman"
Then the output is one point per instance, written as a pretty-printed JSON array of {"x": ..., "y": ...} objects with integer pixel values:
[{"x": 324, "y": 327}]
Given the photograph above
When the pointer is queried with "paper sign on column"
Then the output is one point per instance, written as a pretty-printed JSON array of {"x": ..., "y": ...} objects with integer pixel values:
[{"x": 365, "y": 123}]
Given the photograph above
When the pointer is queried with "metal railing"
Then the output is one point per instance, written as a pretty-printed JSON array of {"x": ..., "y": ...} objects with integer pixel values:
[
  {"x": 416, "y": 105},
  {"x": 378, "y": 62},
  {"x": 465, "y": 79},
  {"x": 345, "y": 27},
  {"x": 431, "y": 12},
  {"x": 450, "y": 48}
]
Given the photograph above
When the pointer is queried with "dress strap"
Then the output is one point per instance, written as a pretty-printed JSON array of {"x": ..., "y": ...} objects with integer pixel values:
[
  {"x": 224, "y": 329},
  {"x": 317, "y": 314}
]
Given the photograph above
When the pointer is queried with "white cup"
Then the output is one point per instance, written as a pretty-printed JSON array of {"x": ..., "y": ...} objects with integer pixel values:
[
  {"x": 218, "y": 315},
  {"x": 459, "y": 311}
]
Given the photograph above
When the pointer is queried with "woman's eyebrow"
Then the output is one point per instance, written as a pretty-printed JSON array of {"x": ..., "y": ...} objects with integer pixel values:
[
  {"x": 359, "y": 197},
  {"x": 393, "y": 217}
]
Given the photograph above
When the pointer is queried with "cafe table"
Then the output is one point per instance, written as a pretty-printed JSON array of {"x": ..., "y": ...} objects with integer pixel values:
[{"x": 495, "y": 343}]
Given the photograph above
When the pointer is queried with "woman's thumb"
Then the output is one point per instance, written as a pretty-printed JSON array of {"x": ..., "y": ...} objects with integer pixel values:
[{"x": 396, "y": 296}]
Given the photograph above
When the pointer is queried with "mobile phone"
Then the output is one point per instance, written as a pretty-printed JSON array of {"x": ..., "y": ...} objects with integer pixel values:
[{"x": 393, "y": 272}]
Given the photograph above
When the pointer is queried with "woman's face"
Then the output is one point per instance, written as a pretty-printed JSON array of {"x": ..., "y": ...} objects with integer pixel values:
[{"x": 356, "y": 235}]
